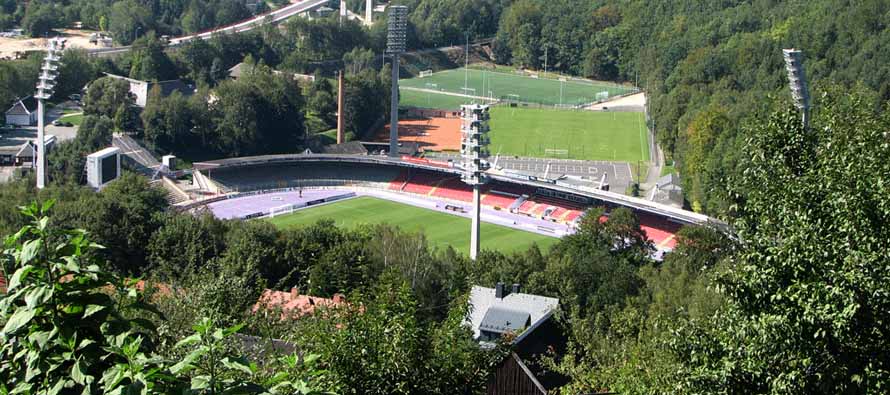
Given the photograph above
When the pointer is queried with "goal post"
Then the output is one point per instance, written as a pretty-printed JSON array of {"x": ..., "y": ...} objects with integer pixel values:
[
  {"x": 556, "y": 152},
  {"x": 281, "y": 210}
]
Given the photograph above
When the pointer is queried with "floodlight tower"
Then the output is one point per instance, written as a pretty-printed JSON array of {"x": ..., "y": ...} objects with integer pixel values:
[
  {"x": 45, "y": 84},
  {"x": 395, "y": 46},
  {"x": 474, "y": 154},
  {"x": 797, "y": 82}
]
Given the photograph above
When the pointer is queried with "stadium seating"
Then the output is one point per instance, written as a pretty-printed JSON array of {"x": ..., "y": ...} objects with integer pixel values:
[
  {"x": 661, "y": 231},
  {"x": 400, "y": 181},
  {"x": 421, "y": 183},
  {"x": 494, "y": 199},
  {"x": 454, "y": 189}
]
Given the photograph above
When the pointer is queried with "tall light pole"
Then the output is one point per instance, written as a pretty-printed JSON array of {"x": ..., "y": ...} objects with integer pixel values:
[
  {"x": 797, "y": 82},
  {"x": 474, "y": 154},
  {"x": 45, "y": 84},
  {"x": 395, "y": 46}
]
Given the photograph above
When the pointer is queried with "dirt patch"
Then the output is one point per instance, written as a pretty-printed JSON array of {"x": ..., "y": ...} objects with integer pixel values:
[
  {"x": 76, "y": 39},
  {"x": 436, "y": 134}
]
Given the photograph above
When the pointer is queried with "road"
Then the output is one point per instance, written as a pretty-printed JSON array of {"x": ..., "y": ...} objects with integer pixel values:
[{"x": 274, "y": 16}]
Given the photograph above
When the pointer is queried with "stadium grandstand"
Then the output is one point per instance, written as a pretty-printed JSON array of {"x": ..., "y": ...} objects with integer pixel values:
[{"x": 432, "y": 182}]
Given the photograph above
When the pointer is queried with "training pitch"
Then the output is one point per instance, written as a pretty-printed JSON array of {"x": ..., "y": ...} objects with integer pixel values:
[
  {"x": 565, "y": 134},
  {"x": 441, "y": 229},
  {"x": 504, "y": 86}
]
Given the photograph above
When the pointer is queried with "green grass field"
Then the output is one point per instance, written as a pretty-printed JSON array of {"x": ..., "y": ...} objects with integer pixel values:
[
  {"x": 441, "y": 229},
  {"x": 75, "y": 119},
  {"x": 511, "y": 86},
  {"x": 590, "y": 135}
]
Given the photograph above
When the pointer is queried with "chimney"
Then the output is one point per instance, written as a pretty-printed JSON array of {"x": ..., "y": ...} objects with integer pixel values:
[
  {"x": 515, "y": 289},
  {"x": 342, "y": 11},
  {"x": 340, "y": 126},
  {"x": 369, "y": 12},
  {"x": 499, "y": 290},
  {"x": 294, "y": 292}
]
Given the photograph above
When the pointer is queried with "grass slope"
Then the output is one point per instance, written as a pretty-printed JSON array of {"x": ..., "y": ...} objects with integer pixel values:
[
  {"x": 590, "y": 135},
  {"x": 502, "y": 85},
  {"x": 441, "y": 229}
]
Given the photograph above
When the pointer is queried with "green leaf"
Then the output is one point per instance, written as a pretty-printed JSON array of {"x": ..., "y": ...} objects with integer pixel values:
[
  {"x": 237, "y": 364},
  {"x": 58, "y": 387},
  {"x": 193, "y": 339},
  {"x": 200, "y": 382},
  {"x": 17, "y": 277},
  {"x": 38, "y": 296},
  {"x": 77, "y": 374},
  {"x": 42, "y": 337},
  {"x": 47, "y": 205},
  {"x": 18, "y": 320},
  {"x": 29, "y": 251},
  {"x": 92, "y": 309}
]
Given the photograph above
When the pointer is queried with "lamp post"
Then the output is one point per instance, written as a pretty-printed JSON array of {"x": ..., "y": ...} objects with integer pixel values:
[
  {"x": 797, "y": 82},
  {"x": 45, "y": 84},
  {"x": 474, "y": 154},
  {"x": 395, "y": 45}
]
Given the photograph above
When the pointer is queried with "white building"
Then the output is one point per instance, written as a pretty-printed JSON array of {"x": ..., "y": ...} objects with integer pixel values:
[{"x": 23, "y": 112}]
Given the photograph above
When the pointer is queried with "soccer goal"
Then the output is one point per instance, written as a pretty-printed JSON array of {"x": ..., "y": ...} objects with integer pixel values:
[
  {"x": 281, "y": 210},
  {"x": 426, "y": 73},
  {"x": 604, "y": 95},
  {"x": 556, "y": 152}
]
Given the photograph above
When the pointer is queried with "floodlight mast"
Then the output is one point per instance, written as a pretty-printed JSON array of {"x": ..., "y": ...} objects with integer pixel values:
[
  {"x": 474, "y": 154},
  {"x": 395, "y": 45},
  {"x": 45, "y": 84},
  {"x": 797, "y": 82}
]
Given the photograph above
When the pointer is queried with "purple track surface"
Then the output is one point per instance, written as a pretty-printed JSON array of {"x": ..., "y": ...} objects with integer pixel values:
[{"x": 241, "y": 207}]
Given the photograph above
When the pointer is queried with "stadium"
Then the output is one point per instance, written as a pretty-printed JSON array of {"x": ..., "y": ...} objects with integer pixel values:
[{"x": 277, "y": 186}]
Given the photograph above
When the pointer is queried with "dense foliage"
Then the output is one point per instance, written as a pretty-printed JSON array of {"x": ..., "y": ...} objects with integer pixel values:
[
  {"x": 704, "y": 64},
  {"x": 70, "y": 326}
]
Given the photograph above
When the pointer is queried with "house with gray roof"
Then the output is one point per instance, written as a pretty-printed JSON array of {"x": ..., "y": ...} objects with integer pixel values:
[
  {"x": 527, "y": 322},
  {"x": 498, "y": 311},
  {"x": 23, "y": 112}
]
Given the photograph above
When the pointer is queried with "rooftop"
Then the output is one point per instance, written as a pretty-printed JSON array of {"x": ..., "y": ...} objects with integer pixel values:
[
  {"x": 513, "y": 312},
  {"x": 292, "y": 304}
]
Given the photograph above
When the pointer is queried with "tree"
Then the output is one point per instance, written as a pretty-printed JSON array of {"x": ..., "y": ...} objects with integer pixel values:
[
  {"x": 257, "y": 114},
  {"x": 106, "y": 95},
  {"x": 367, "y": 99},
  {"x": 75, "y": 71},
  {"x": 149, "y": 62},
  {"x": 40, "y": 19},
  {"x": 808, "y": 287},
  {"x": 128, "y": 19}
]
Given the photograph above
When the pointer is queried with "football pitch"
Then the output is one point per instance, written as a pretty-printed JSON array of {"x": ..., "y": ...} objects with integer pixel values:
[
  {"x": 441, "y": 229},
  {"x": 513, "y": 87},
  {"x": 565, "y": 134}
]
